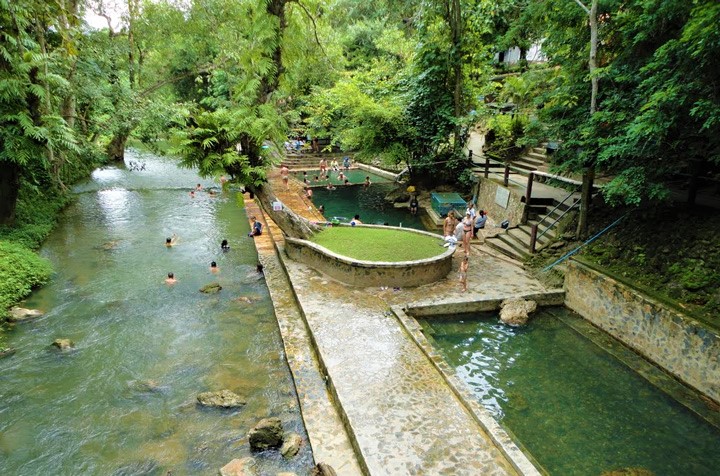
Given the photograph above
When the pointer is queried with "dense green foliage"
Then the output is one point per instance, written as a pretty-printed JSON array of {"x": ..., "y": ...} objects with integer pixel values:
[
  {"x": 20, "y": 271},
  {"x": 378, "y": 244}
]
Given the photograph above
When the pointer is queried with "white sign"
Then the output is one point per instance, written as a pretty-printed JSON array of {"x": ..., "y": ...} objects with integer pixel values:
[
  {"x": 277, "y": 206},
  {"x": 502, "y": 195}
]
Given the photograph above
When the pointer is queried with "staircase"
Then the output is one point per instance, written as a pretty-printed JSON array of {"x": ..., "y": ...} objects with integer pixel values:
[
  {"x": 534, "y": 158},
  {"x": 515, "y": 242},
  {"x": 312, "y": 160}
]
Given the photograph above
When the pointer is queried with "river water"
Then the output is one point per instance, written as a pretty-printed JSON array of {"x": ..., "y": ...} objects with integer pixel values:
[{"x": 123, "y": 402}]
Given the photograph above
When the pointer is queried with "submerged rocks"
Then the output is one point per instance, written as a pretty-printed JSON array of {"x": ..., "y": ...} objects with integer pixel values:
[
  {"x": 211, "y": 288},
  {"x": 515, "y": 312},
  {"x": 239, "y": 467},
  {"x": 323, "y": 469},
  {"x": 268, "y": 433},
  {"x": 291, "y": 445},
  {"x": 20, "y": 314},
  {"x": 221, "y": 399},
  {"x": 64, "y": 344},
  {"x": 6, "y": 351}
]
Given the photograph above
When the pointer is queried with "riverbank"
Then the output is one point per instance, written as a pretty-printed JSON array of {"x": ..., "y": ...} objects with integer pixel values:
[{"x": 671, "y": 253}]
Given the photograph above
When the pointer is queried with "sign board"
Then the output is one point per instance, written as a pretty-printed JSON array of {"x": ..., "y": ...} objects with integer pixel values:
[
  {"x": 502, "y": 195},
  {"x": 277, "y": 206}
]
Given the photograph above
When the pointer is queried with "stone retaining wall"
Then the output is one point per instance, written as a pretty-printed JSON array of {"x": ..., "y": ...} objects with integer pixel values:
[
  {"x": 682, "y": 346},
  {"x": 371, "y": 273},
  {"x": 486, "y": 193}
]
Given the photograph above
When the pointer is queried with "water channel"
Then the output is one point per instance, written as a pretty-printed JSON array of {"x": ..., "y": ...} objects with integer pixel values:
[
  {"x": 123, "y": 402},
  {"x": 574, "y": 407}
]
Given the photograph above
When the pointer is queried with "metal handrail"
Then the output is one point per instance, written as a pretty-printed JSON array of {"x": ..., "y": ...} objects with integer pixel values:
[
  {"x": 577, "y": 202},
  {"x": 556, "y": 207}
]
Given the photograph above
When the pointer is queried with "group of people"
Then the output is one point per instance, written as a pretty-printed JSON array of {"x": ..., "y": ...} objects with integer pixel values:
[
  {"x": 210, "y": 191},
  {"x": 462, "y": 231},
  {"x": 173, "y": 240}
]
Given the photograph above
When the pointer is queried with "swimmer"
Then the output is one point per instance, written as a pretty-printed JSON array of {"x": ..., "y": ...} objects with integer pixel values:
[
  {"x": 198, "y": 187},
  {"x": 192, "y": 193},
  {"x": 367, "y": 182},
  {"x": 170, "y": 279},
  {"x": 214, "y": 267},
  {"x": 224, "y": 245},
  {"x": 172, "y": 241}
]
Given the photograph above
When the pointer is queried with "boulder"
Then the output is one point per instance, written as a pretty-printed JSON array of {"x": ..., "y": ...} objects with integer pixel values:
[
  {"x": 628, "y": 472},
  {"x": 291, "y": 445},
  {"x": 6, "y": 352},
  {"x": 20, "y": 314},
  {"x": 239, "y": 467},
  {"x": 322, "y": 469},
  {"x": 515, "y": 312},
  {"x": 221, "y": 399},
  {"x": 63, "y": 344},
  {"x": 268, "y": 433},
  {"x": 211, "y": 288}
]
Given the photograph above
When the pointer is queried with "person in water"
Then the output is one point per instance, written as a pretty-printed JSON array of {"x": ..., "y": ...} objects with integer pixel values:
[
  {"x": 224, "y": 245},
  {"x": 172, "y": 241},
  {"x": 170, "y": 279},
  {"x": 214, "y": 267}
]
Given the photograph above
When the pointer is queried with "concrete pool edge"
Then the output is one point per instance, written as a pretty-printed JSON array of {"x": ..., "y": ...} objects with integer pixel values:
[
  {"x": 500, "y": 437},
  {"x": 372, "y": 273}
]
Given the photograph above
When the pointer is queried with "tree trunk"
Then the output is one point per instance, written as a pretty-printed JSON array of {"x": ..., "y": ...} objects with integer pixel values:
[
  {"x": 116, "y": 147},
  {"x": 455, "y": 21},
  {"x": 9, "y": 187},
  {"x": 589, "y": 172}
]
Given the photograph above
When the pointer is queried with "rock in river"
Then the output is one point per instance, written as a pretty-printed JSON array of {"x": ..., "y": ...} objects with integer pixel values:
[
  {"x": 211, "y": 288},
  {"x": 291, "y": 445},
  {"x": 268, "y": 433},
  {"x": 64, "y": 344},
  {"x": 239, "y": 467},
  {"x": 221, "y": 399},
  {"x": 19, "y": 314},
  {"x": 514, "y": 312}
]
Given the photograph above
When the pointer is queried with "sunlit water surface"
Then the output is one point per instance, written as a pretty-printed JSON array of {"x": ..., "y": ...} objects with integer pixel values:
[
  {"x": 123, "y": 402},
  {"x": 573, "y": 406}
]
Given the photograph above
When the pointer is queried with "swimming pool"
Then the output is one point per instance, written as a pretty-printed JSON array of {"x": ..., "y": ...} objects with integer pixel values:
[
  {"x": 572, "y": 405},
  {"x": 354, "y": 176},
  {"x": 347, "y": 201}
]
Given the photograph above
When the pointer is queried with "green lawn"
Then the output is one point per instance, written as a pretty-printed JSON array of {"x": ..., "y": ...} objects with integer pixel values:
[{"x": 378, "y": 244}]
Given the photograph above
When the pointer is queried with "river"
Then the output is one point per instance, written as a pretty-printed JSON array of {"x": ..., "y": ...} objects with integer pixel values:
[{"x": 123, "y": 401}]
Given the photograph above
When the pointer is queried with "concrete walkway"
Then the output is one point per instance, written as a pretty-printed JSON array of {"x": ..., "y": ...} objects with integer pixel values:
[{"x": 401, "y": 415}]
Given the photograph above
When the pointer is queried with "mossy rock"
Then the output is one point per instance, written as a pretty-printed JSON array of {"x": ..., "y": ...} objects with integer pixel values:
[{"x": 211, "y": 288}]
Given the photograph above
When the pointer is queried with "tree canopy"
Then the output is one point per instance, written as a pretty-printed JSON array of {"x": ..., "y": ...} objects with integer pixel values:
[{"x": 402, "y": 82}]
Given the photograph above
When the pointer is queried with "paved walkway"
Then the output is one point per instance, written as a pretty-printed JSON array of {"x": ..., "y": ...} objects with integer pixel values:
[{"x": 402, "y": 416}]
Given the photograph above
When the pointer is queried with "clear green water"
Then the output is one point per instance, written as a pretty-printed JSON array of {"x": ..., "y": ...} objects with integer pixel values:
[
  {"x": 355, "y": 176},
  {"x": 369, "y": 203},
  {"x": 574, "y": 407},
  {"x": 123, "y": 401}
]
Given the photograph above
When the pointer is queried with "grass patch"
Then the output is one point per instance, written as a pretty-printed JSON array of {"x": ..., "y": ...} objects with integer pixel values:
[{"x": 378, "y": 244}]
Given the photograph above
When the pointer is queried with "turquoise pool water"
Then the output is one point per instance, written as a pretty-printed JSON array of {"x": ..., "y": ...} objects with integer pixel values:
[
  {"x": 355, "y": 176},
  {"x": 575, "y": 408},
  {"x": 369, "y": 203}
]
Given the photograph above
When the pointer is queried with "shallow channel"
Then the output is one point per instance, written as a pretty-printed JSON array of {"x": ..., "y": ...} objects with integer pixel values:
[
  {"x": 123, "y": 402},
  {"x": 572, "y": 405}
]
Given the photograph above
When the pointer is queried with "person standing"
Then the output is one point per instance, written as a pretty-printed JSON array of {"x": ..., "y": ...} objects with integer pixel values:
[
  {"x": 414, "y": 205},
  {"x": 449, "y": 224},
  {"x": 467, "y": 224},
  {"x": 464, "y": 264},
  {"x": 471, "y": 210},
  {"x": 284, "y": 172}
]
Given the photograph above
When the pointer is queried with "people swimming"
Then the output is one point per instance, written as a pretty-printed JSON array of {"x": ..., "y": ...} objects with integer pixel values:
[
  {"x": 170, "y": 279},
  {"x": 224, "y": 245},
  {"x": 214, "y": 267},
  {"x": 171, "y": 241}
]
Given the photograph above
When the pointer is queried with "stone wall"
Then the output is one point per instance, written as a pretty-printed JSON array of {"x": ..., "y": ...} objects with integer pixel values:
[
  {"x": 682, "y": 346},
  {"x": 369, "y": 273},
  {"x": 487, "y": 190}
]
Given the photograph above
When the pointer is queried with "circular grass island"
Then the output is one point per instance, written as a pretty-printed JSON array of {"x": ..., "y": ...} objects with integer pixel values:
[
  {"x": 372, "y": 255},
  {"x": 384, "y": 244}
]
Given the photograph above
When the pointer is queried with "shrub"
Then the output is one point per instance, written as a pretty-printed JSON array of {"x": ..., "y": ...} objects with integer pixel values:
[{"x": 21, "y": 270}]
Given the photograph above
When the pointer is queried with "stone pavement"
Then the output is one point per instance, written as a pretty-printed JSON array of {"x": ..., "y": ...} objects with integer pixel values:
[
  {"x": 328, "y": 439},
  {"x": 401, "y": 415}
]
